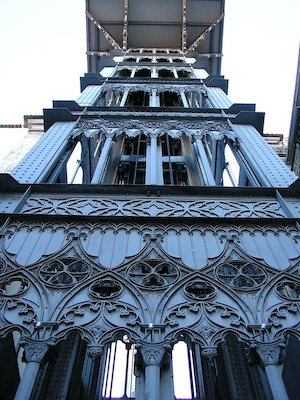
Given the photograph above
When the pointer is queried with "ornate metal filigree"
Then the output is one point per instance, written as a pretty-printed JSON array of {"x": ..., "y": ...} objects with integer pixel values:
[
  {"x": 190, "y": 128},
  {"x": 18, "y": 312},
  {"x": 64, "y": 273},
  {"x": 2, "y": 266},
  {"x": 133, "y": 87},
  {"x": 285, "y": 315},
  {"x": 199, "y": 290},
  {"x": 153, "y": 208},
  {"x": 289, "y": 290},
  {"x": 153, "y": 274},
  {"x": 88, "y": 313},
  {"x": 241, "y": 275},
  {"x": 105, "y": 289},
  {"x": 13, "y": 286},
  {"x": 190, "y": 314}
]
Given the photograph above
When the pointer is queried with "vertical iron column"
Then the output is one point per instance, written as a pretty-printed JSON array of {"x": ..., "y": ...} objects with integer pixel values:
[
  {"x": 34, "y": 353},
  {"x": 204, "y": 163},
  {"x": 100, "y": 168},
  {"x": 153, "y": 160},
  {"x": 152, "y": 356},
  {"x": 270, "y": 354}
]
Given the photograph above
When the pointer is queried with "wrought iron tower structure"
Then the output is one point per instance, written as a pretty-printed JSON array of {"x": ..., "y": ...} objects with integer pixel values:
[{"x": 150, "y": 240}]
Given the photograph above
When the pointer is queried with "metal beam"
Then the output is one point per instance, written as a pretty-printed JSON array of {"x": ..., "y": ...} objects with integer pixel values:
[
  {"x": 107, "y": 36},
  {"x": 183, "y": 30},
  {"x": 210, "y": 55},
  {"x": 205, "y": 33},
  {"x": 125, "y": 26}
]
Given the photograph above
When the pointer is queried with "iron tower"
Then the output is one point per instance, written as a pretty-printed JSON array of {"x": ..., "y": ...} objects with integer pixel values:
[{"x": 150, "y": 240}]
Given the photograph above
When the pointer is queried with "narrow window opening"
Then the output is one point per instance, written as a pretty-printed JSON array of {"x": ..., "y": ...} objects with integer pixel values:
[
  {"x": 124, "y": 72},
  {"x": 175, "y": 173},
  {"x": 165, "y": 73},
  {"x": 194, "y": 99},
  {"x": 135, "y": 146},
  {"x": 74, "y": 165},
  {"x": 184, "y": 382},
  {"x": 182, "y": 73},
  {"x": 145, "y": 73},
  {"x": 119, "y": 378},
  {"x": 170, "y": 146},
  {"x": 145, "y": 59},
  {"x": 162, "y": 60},
  {"x": 110, "y": 98},
  {"x": 232, "y": 169},
  {"x": 131, "y": 59},
  {"x": 132, "y": 166},
  {"x": 177, "y": 60},
  {"x": 131, "y": 173},
  {"x": 137, "y": 99},
  {"x": 170, "y": 99}
]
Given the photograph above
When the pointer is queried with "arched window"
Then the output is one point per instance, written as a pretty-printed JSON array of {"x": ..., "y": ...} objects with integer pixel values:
[
  {"x": 170, "y": 99},
  {"x": 131, "y": 169},
  {"x": 173, "y": 164},
  {"x": 124, "y": 72},
  {"x": 183, "y": 73},
  {"x": 137, "y": 99},
  {"x": 145, "y": 59},
  {"x": 162, "y": 60},
  {"x": 184, "y": 377},
  {"x": 165, "y": 73},
  {"x": 110, "y": 98},
  {"x": 144, "y": 72},
  {"x": 118, "y": 370}
]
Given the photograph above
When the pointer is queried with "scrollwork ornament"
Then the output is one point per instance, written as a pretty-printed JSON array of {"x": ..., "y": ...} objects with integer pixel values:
[{"x": 2, "y": 266}]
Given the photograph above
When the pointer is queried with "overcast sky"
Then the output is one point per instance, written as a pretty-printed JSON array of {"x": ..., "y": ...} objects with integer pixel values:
[{"x": 43, "y": 45}]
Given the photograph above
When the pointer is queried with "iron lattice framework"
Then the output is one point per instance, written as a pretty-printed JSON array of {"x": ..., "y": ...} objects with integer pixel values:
[{"x": 150, "y": 227}]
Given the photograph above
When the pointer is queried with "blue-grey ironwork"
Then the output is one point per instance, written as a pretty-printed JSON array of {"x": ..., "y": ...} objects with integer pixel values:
[{"x": 174, "y": 233}]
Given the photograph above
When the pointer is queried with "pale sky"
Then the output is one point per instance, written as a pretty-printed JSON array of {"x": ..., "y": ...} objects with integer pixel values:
[{"x": 43, "y": 46}]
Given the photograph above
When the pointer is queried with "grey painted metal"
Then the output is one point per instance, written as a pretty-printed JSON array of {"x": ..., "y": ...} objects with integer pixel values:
[
  {"x": 29, "y": 247},
  {"x": 153, "y": 161},
  {"x": 170, "y": 27},
  {"x": 124, "y": 98},
  {"x": 152, "y": 379},
  {"x": 34, "y": 353},
  {"x": 148, "y": 264},
  {"x": 102, "y": 162},
  {"x": 276, "y": 383},
  {"x": 89, "y": 95},
  {"x": 27, "y": 382},
  {"x": 204, "y": 163},
  {"x": 218, "y": 98},
  {"x": 262, "y": 158},
  {"x": 270, "y": 355},
  {"x": 38, "y": 163}
]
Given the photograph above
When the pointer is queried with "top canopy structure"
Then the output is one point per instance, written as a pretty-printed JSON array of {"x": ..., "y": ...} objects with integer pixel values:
[{"x": 184, "y": 25}]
